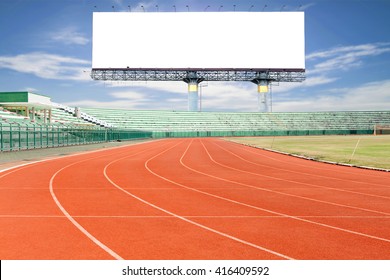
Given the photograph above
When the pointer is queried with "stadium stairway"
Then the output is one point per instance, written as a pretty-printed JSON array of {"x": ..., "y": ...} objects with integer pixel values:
[
  {"x": 61, "y": 115},
  {"x": 66, "y": 114}
]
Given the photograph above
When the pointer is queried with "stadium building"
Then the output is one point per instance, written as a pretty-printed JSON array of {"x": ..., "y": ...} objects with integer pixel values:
[{"x": 29, "y": 120}]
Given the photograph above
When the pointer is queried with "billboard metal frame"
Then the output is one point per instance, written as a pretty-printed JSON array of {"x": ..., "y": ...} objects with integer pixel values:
[{"x": 129, "y": 74}]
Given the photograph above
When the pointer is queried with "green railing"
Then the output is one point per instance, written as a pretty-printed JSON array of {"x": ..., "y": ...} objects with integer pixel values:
[
  {"x": 14, "y": 137},
  {"x": 21, "y": 136}
]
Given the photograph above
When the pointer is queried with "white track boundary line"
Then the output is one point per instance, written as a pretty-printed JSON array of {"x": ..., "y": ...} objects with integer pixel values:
[{"x": 182, "y": 217}]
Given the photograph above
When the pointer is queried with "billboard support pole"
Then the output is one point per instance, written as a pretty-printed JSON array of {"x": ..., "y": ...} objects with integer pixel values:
[
  {"x": 193, "y": 81},
  {"x": 263, "y": 80}
]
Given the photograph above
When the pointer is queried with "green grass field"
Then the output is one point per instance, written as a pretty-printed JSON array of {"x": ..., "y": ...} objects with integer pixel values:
[{"x": 373, "y": 151}]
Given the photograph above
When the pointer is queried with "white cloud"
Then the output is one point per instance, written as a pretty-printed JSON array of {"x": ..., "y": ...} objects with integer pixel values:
[
  {"x": 216, "y": 96},
  {"x": 168, "y": 86},
  {"x": 328, "y": 63},
  {"x": 309, "y": 82},
  {"x": 170, "y": 104},
  {"x": 135, "y": 100},
  {"x": 113, "y": 104},
  {"x": 120, "y": 99},
  {"x": 318, "y": 80},
  {"x": 373, "y": 48},
  {"x": 30, "y": 89},
  {"x": 128, "y": 95},
  {"x": 345, "y": 57},
  {"x": 48, "y": 66},
  {"x": 369, "y": 96},
  {"x": 69, "y": 36},
  {"x": 228, "y": 96}
]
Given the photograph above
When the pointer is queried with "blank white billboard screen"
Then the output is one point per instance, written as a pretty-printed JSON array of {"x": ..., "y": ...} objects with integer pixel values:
[{"x": 196, "y": 40}]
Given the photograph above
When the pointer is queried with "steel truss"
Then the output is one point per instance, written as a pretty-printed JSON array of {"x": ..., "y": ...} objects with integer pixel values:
[{"x": 205, "y": 75}]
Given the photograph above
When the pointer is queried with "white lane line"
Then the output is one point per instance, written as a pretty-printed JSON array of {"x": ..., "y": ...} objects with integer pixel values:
[
  {"x": 190, "y": 216},
  {"x": 182, "y": 217},
  {"x": 74, "y": 222}
]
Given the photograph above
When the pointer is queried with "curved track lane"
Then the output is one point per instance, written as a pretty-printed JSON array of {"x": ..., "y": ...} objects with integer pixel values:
[{"x": 192, "y": 199}]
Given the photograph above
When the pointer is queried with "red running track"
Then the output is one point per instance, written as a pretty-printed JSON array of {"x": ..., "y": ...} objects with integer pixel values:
[{"x": 192, "y": 199}]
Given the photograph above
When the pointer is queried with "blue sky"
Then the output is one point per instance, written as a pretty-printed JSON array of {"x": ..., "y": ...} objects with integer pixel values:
[{"x": 46, "y": 47}]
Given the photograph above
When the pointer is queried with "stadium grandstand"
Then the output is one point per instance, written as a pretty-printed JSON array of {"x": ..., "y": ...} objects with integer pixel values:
[
  {"x": 193, "y": 124},
  {"x": 29, "y": 120}
]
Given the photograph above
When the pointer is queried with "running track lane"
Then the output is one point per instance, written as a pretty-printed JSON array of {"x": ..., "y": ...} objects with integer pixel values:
[{"x": 192, "y": 199}]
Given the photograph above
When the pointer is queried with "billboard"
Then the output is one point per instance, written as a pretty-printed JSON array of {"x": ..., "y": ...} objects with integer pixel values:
[{"x": 199, "y": 40}]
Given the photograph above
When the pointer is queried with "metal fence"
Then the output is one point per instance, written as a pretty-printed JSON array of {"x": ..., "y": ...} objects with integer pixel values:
[{"x": 15, "y": 137}]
